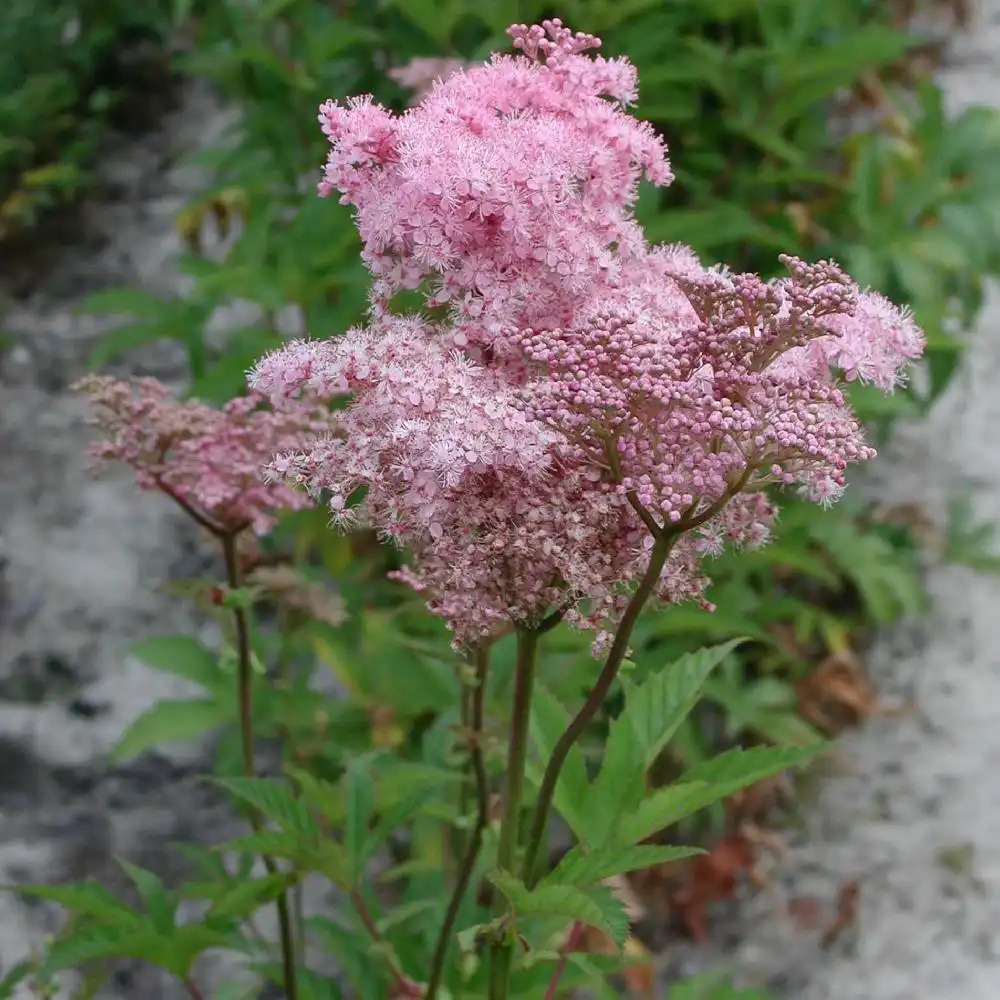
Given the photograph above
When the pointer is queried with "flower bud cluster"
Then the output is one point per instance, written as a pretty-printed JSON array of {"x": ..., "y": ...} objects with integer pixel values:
[{"x": 581, "y": 391}]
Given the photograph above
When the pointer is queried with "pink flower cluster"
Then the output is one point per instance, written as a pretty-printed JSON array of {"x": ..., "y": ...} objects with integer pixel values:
[
  {"x": 582, "y": 390},
  {"x": 207, "y": 460},
  {"x": 505, "y": 190}
]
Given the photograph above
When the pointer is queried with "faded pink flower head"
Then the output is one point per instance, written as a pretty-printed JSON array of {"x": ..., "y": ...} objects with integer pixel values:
[
  {"x": 419, "y": 75},
  {"x": 583, "y": 390},
  {"x": 208, "y": 460}
]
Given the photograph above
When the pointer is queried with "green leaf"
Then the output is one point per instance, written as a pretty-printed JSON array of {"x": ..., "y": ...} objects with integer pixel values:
[
  {"x": 360, "y": 798},
  {"x": 341, "y": 943},
  {"x": 117, "y": 342},
  {"x": 159, "y": 906},
  {"x": 580, "y": 868},
  {"x": 405, "y": 913},
  {"x": 245, "y": 897},
  {"x": 15, "y": 975},
  {"x": 653, "y": 711},
  {"x": 311, "y": 985},
  {"x": 663, "y": 808},
  {"x": 597, "y": 907},
  {"x": 181, "y": 656},
  {"x": 655, "y": 708},
  {"x": 548, "y": 722},
  {"x": 88, "y": 898},
  {"x": 171, "y": 722},
  {"x": 737, "y": 768},
  {"x": 706, "y": 783},
  {"x": 273, "y": 842},
  {"x": 123, "y": 302},
  {"x": 276, "y": 801},
  {"x": 324, "y": 796},
  {"x": 90, "y": 942},
  {"x": 714, "y": 985}
]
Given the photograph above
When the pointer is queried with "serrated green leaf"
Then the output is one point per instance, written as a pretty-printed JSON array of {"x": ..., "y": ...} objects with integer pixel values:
[
  {"x": 706, "y": 783},
  {"x": 614, "y": 913},
  {"x": 171, "y": 722},
  {"x": 580, "y": 868},
  {"x": 311, "y": 985},
  {"x": 341, "y": 943},
  {"x": 273, "y": 842},
  {"x": 276, "y": 801},
  {"x": 88, "y": 898},
  {"x": 324, "y": 855},
  {"x": 548, "y": 721},
  {"x": 663, "y": 808},
  {"x": 242, "y": 899},
  {"x": 406, "y": 912},
  {"x": 596, "y": 907},
  {"x": 656, "y": 707},
  {"x": 181, "y": 656},
  {"x": 117, "y": 342},
  {"x": 324, "y": 796},
  {"x": 160, "y": 907},
  {"x": 92, "y": 942},
  {"x": 653, "y": 711}
]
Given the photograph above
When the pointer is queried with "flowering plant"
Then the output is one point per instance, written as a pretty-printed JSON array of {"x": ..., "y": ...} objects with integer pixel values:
[
  {"x": 568, "y": 430},
  {"x": 587, "y": 417}
]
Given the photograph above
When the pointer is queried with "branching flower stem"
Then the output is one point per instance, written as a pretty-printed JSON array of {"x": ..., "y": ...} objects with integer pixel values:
[
  {"x": 245, "y": 695},
  {"x": 662, "y": 544},
  {"x": 477, "y": 763},
  {"x": 501, "y": 951}
]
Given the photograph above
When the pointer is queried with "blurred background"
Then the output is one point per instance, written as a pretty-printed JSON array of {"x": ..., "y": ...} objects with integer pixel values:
[{"x": 158, "y": 216}]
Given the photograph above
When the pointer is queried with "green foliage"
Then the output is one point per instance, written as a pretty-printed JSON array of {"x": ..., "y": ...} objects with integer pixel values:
[
  {"x": 597, "y": 907},
  {"x": 759, "y": 101},
  {"x": 62, "y": 80},
  {"x": 104, "y": 927}
]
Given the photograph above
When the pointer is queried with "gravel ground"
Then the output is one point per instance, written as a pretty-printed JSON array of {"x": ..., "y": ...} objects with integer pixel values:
[{"x": 914, "y": 816}]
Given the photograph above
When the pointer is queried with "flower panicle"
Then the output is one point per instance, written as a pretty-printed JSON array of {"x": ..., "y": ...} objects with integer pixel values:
[
  {"x": 208, "y": 460},
  {"x": 580, "y": 393}
]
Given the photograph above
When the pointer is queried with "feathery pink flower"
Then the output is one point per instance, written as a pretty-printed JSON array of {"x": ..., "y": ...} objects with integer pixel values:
[
  {"x": 581, "y": 385},
  {"x": 508, "y": 189},
  {"x": 208, "y": 460}
]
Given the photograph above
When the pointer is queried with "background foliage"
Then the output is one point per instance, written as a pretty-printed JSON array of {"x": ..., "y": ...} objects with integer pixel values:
[{"x": 810, "y": 127}]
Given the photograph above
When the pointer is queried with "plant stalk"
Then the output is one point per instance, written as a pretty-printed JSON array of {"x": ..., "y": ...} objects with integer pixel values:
[
  {"x": 477, "y": 762},
  {"x": 663, "y": 542},
  {"x": 245, "y": 695},
  {"x": 501, "y": 951}
]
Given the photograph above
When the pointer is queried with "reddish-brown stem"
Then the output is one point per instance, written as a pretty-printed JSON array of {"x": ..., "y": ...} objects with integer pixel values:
[
  {"x": 468, "y": 866},
  {"x": 245, "y": 697},
  {"x": 192, "y": 987},
  {"x": 202, "y": 519},
  {"x": 662, "y": 544},
  {"x": 404, "y": 986},
  {"x": 501, "y": 954},
  {"x": 570, "y": 945}
]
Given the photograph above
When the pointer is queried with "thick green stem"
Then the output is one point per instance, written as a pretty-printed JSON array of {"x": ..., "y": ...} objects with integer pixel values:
[
  {"x": 501, "y": 951},
  {"x": 477, "y": 763},
  {"x": 662, "y": 544},
  {"x": 245, "y": 688}
]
